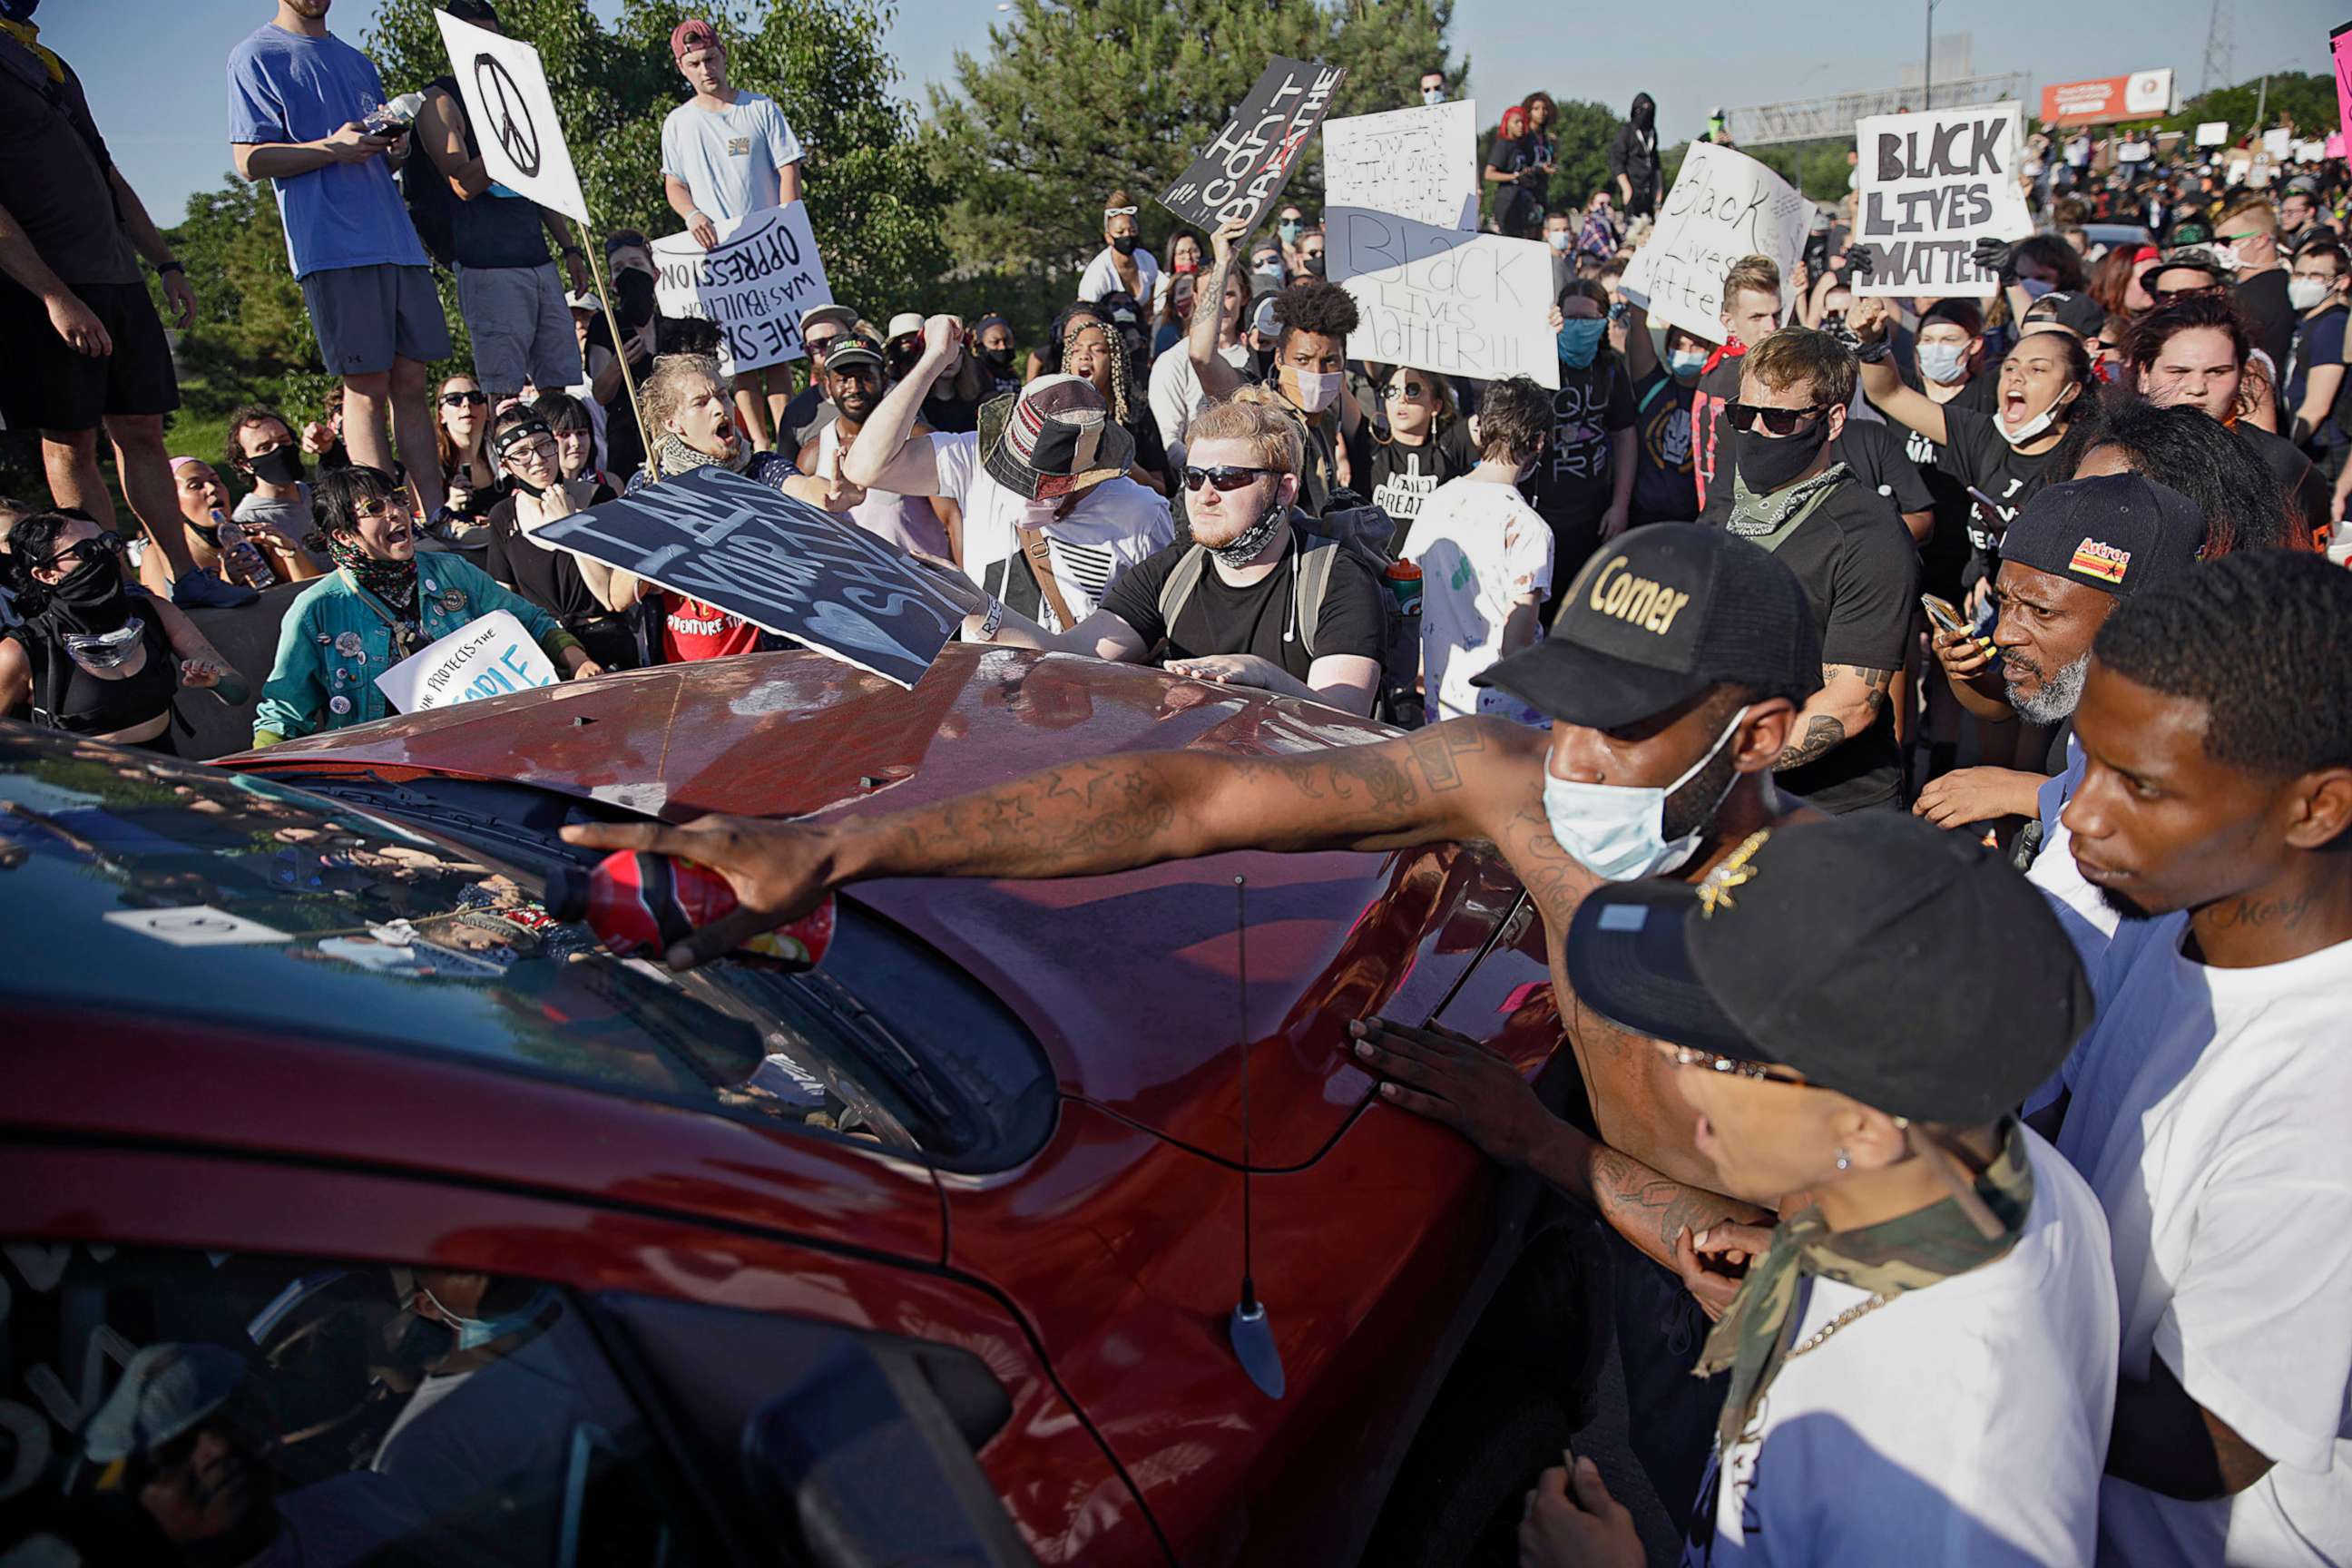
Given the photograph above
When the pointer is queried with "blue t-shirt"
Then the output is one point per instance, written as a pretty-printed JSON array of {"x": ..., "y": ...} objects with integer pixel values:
[
  {"x": 2318, "y": 340},
  {"x": 284, "y": 86}
]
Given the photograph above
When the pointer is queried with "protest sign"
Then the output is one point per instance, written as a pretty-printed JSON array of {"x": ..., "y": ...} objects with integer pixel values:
[
  {"x": 489, "y": 655},
  {"x": 754, "y": 284},
  {"x": 2278, "y": 141},
  {"x": 1933, "y": 183},
  {"x": 2339, "y": 49},
  {"x": 776, "y": 561},
  {"x": 2213, "y": 134},
  {"x": 1725, "y": 205},
  {"x": 513, "y": 116},
  {"x": 1419, "y": 163},
  {"x": 1241, "y": 172},
  {"x": 1443, "y": 300}
]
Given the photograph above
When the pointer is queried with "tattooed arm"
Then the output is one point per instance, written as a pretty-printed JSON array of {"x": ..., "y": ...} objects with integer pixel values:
[
  {"x": 1463, "y": 779},
  {"x": 1844, "y": 707}
]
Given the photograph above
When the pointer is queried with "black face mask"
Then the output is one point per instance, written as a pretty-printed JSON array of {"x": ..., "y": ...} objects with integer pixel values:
[
  {"x": 998, "y": 359},
  {"x": 1766, "y": 465},
  {"x": 278, "y": 466},
  {"x": 89, "y": 598},
  {"x": 1124, "y": 244},
  {"x": 902, "y": 362}
]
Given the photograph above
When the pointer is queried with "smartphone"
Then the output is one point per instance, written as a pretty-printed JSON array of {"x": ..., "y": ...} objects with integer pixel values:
[
  {"x": 1986, "y": 500},
  {"x": 1944, "y": 613}
]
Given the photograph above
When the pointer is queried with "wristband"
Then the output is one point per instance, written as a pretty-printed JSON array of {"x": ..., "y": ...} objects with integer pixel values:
[
  {"x": 169, "y": 264},
  {"x": 572, "y": 250},
  {"x": 994, "y": 620},
  {"x": 1875, "y": 354}
]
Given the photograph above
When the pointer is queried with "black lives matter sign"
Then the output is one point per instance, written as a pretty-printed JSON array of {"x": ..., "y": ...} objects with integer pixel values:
[
  {"x": 1244, "y": 169},
  {"x": 1932, "y": 185},
  {"x": 776, "y": 561}
]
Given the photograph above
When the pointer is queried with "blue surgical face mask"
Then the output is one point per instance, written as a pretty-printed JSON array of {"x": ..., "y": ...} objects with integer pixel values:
[
  {"x": 1943, "y": 363},
  {"x": 1617, "y": 832},
  {"x": 475, "y": 1333},
  {"x": 1579, "y": 340},
  {"x": 1289, "y": 229},
  {"x": 1432, "y": 96},
  {"x": 2035, "y": 288},
  {"x": 1686, "y": 363}
]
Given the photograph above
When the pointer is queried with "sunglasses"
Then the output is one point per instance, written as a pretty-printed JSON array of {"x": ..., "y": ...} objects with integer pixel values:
[
  {"x": 381, "y": 509},
  {"x": 820, "y": 347},
  {"x": 1745, "y": 416},
  {"x": 88, "y": 550},
  {"x": 1762, "y": 1072},
  {"x": 459, "y": 399},
  {"x": 1224, "y": 477},
  {"x": 1411, "y": 389},
  {"x": 2167, "y": 296}
]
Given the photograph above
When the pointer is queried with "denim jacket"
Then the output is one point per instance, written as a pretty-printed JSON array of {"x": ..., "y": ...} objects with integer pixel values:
[{"x": 333, "y": 643}]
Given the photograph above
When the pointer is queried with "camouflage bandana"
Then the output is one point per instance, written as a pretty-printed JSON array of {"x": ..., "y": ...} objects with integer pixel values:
[{"x": 1910, "y": 1252}]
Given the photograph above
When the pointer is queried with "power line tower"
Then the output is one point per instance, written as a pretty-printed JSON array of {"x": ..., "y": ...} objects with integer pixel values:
[{"x": 2220, "y": 45}]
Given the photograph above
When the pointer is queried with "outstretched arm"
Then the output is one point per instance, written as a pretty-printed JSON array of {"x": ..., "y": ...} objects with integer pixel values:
[
  {"x": 1217, "y": 378},
  {"x": 887, "y": 455},
  {"x": 1456, "y": 780},
  {"x": 1882, "y": 384}
]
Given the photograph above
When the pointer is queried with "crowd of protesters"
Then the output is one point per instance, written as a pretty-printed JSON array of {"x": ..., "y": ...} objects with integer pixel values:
[{"x": 1925, "y": 726}]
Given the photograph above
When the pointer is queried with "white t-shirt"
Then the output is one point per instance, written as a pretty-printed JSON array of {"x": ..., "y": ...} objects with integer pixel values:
[
  {"x": 1102, "y": 277},
  {"x": 2089, "y": 920},
  {"x": 1174, "y": 391},
  {"x": 2208, "y": 1114},
  {"x": 291, "y": 521},
  {"x": 730, "y": 159},
  {"x": 1964, "y": 1424},
  {"x": 1114, "y": 525},
  {"x": 1479, "y": 547},
  {"x": 906, "y": 521}
]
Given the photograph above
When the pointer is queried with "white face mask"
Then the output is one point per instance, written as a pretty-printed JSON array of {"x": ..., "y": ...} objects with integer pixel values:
[
  {"x": 2030, "y": 430},
  {"x": 1432, "y": 96},
  {"x": 1943, "y": 363},
  {"x": 1317, "y": 390},
  {"x": 1617, "y": 832},
  {"x": 2305, "y": 293}
]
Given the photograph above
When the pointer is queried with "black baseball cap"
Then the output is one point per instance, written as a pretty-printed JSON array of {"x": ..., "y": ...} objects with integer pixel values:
[
  {"x": 1910, "y": 968},
  {"x": 2122, "y": 534},
  {"x": 850, "y": 351},
  {"x": 1657, "y": 616},
  {"x": 2077, "y": 312}
]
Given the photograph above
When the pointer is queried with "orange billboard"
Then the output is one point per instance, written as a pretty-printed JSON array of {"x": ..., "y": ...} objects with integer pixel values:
[{"x": 2143, "y": 94}]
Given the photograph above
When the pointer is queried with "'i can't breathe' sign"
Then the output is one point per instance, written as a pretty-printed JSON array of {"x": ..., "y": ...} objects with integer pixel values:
[{"x": 1933, "y": 183}]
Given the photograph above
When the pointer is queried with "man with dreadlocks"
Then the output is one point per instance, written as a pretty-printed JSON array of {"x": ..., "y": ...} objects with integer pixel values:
[
  {"x": 2206, "y": 1107},
  {"x": 1309, "y": 370}
]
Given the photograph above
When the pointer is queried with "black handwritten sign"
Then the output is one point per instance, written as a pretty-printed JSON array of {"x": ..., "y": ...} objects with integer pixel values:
[
  {"x": 1244, "y": 169},
  {"x": 754, "y": 284},
  {"x": 1933, "y": 183},
  {"x": 776, "y": 561},
  {"x": 1443, "y": 300},
  {"x": 1725, "y": 205}
]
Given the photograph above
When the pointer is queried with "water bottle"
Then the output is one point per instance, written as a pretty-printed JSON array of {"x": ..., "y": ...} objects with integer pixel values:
[
  {"x": 636, "y": 902},
  {"x": 1404, "y": 582},
  {"x": 240, "y": 555}
]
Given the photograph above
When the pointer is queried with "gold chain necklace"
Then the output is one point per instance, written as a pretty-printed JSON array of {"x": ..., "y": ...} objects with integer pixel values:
[{"x": 1859, "y": 1310}]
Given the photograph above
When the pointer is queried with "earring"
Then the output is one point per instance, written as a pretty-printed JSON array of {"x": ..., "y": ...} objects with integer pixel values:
[{"x": 1845, "y": 1160}]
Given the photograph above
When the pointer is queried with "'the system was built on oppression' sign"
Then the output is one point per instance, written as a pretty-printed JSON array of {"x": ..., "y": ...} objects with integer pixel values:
[
  {"x": 776, "y": 561},
  {"x": 754, "y": 284},
  {"x": 1245, "y": 167},
  {"x": 1933, "y": 183}
]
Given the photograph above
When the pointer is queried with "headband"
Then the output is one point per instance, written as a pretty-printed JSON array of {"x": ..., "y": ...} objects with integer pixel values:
[
  {"x": 1118, "y": 212},
  {"x": 524, "y": 429},
  {"x": 179, "y": 463}
]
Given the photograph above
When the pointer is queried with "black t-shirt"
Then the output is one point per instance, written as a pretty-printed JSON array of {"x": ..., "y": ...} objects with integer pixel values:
[
  {"x": 1664, "y": 490},
  {"x": 53, "y": 180},
  {"x": 2306, "y": 488},
  {"x": 1875, "y": 452},
  {"x": 551, "y": 580},
  {"x": 2262, "y": 298},
  {"x": 1945, "y": 557},
  {"x": 1572, "y": 481},
  {"x": 950, "y": 414},
  {"x": 1402, "y": 476},
  {"x": 1220, "y": 618},
  {"x": 1859, "y": 570},
  {"x": 1978, "y": 454}
]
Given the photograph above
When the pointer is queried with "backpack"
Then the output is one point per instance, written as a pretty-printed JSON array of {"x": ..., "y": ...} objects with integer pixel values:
[
  {"x": 432, "y": 205},
  {"x": 1351, "y": 526}
]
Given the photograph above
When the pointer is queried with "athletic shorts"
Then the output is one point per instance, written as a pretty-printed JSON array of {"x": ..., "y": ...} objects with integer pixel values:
[
  {"x": 49, "y": 386},
  {"x": 367, "y": 316},
  {"x": 521, "y": 326}
]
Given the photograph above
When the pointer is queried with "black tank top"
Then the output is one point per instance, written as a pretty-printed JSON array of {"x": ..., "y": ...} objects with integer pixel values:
[{"x": 67, "y": 696}]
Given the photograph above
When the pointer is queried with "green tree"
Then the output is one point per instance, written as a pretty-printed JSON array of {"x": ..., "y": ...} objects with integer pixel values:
[{"x": 2302, "y": 100}]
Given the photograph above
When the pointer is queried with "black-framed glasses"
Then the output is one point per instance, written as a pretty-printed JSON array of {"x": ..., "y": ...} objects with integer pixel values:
[
  {"x": 541, "y": 447},
  {"x": 1745, "y": 416},
  {"x": 83, "y": 550},
  {"x": 459, "y": 399},
  {"x": 1224, "y": 476},
  {"x": 1415, "y": 390},
  {"x": 1762, "y": 1072}
]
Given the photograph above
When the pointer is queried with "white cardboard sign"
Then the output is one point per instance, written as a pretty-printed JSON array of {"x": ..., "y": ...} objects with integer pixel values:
[
  {"x": 2213, "y": 134},
  {"x": 487, "y": 656},
  {"x": 1725, "y": 205},
  {"x": 1420, "y": 163},
  {"x": 1443, "y": 300},
  {"x": 513, "y": 115},
  {"x": 1933, "y": 183},
  {"x": 754, "y": 284}
]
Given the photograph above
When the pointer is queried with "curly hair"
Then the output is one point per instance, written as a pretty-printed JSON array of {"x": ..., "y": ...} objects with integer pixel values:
[
  {"x": 663, "y": 392},
  {"x": 2191, "y": 452},
  {"x": 1313, "y": 305},
  {"x": 232, "y": 444},
  {"x": 1514, "y": 419},
  {"x": 2263, "y": 639}
]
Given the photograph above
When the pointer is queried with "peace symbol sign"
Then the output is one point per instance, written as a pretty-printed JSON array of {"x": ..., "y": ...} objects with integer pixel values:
[{"x": 509, "y": 112}]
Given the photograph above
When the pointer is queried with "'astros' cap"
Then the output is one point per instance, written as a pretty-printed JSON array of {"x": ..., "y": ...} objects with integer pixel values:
[
  {"x": 2120, "y": 534},
  {"x": 1656, "y": 617}
]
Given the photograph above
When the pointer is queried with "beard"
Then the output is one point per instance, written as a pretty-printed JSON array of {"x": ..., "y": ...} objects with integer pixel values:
[
  {"x": 2058, "y": 695},
  {"x": 855, "y": 406},
  {"x": 2123, "y": 904},
  {"x": 1693, "y": 807}
]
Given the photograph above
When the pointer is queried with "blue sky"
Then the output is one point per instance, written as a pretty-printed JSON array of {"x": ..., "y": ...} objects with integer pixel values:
[{"x": 154, "y": 68}]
